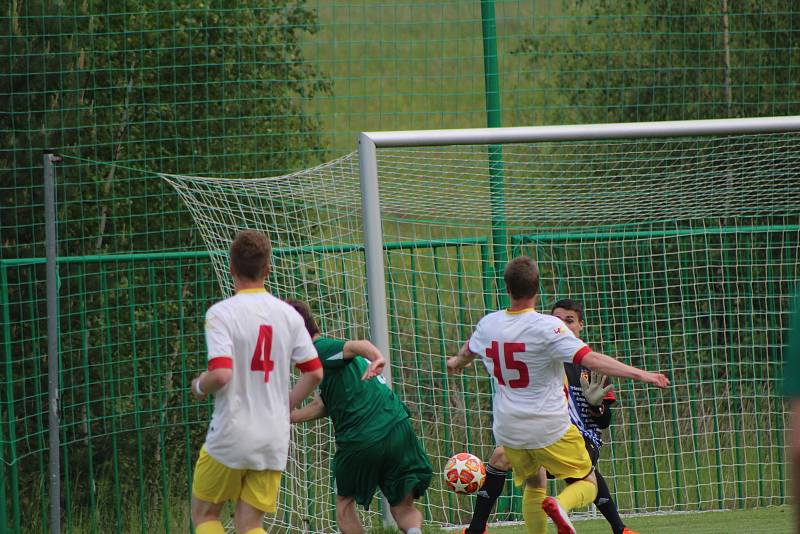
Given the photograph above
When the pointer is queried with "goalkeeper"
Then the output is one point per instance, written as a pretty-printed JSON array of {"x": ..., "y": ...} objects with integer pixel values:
[
  {"x": 589, "y": 410},
  {"x": 375, "y": 443}
]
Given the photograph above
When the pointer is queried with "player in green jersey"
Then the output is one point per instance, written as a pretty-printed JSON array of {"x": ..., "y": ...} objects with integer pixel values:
[
  {"x": 791, "y": 388},
  {"x": 375, "y": 442}
]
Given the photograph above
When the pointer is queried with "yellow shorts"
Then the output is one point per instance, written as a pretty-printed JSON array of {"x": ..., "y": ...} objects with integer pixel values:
[
  {"x": 215, "y": 482},
  {"x": 566, "y": 458}
]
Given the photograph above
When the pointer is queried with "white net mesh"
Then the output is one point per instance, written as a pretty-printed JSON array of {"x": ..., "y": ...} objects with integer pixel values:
[{"x": 683, "y": 251}]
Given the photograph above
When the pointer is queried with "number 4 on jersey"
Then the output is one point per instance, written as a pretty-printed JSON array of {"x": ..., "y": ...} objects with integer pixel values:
[
  {"x": 261, "y": 356},
  {"x": 493, "y": 352}
]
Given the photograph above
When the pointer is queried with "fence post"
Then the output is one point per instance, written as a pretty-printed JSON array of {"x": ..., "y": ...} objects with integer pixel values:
[
  {"x": 491, "y": 76},
  {"x": 50, "y": 159}
]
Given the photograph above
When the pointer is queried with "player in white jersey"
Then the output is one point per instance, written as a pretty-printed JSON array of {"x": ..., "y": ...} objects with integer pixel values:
[
  {"x": 525, "y": 352},
  {"x": 253, "y": 339}
]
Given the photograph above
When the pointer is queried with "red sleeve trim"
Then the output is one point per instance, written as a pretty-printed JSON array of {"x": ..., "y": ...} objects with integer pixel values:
[
  {"x": 310, "y": 365},
  {"x": 578, "y": 358},
  {"x": 220, "y": 362}
]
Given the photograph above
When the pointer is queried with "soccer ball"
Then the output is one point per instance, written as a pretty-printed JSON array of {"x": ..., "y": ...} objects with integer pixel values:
[{"x": 464, "y": 473}]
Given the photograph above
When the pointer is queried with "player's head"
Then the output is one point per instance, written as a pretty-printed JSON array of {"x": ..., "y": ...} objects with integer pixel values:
[
  {"x": 522, "y": 278},
  {"x": 305, "y": 312},
  {"x": 250, "y": 256},
  {"x": 571, "y": 312}
]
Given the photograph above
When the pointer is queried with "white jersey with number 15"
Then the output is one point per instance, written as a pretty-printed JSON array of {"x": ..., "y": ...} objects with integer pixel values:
[{"x": 525, "y": 352}]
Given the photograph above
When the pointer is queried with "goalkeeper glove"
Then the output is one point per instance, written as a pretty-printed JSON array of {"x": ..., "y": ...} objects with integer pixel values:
[{"x": 595, "y": 391}]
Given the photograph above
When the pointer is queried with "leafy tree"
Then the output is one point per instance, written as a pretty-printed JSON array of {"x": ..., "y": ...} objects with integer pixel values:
[
  {"x": 609, "y": 61},
  {"x": 213, "y": 88}
]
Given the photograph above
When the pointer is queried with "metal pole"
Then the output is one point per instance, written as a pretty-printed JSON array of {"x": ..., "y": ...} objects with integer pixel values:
[
  {"x": 585, "y": 132},
  {"x": 373, "y": 252},
  {"x": 494, "y": 120},
  {"x": 52, "y": 339}
]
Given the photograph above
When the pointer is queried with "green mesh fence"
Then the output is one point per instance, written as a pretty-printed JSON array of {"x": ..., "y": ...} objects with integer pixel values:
[{"x": 247, "y": 89}]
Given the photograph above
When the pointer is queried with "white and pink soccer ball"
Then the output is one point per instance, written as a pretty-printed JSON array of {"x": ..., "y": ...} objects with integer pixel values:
[{"x": 464, "y": 473}]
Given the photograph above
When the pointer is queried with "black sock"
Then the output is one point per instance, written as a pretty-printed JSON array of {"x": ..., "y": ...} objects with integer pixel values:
[
  {"x": 606, "y": 505},
  {"x": 487, "y": 496}
]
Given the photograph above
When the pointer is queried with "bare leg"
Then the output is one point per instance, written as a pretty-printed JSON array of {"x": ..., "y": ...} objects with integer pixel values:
[
  {"x": 406, "y": 514},
  {"x": 347, "y": 516},
  {"x": 204, "y": 511},
  {"x": 247, "y": 518}
]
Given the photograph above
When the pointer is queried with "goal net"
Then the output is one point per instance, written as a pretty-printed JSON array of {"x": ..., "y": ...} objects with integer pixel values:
[{"x": 683, "y": 251}]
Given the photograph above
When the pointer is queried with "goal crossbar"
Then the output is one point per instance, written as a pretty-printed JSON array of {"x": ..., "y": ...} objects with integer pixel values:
[{"x": 581, "y": 132}]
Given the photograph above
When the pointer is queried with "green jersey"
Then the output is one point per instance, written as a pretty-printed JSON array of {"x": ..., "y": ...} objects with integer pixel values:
[
  {"x": 362, "y": 411},
  {"x": 791, "y": 371}
]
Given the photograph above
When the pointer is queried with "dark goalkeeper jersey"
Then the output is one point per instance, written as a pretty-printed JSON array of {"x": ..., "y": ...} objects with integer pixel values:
[
  {"x": 362, "y": 412},
  {"x": 579, "y": 412}
]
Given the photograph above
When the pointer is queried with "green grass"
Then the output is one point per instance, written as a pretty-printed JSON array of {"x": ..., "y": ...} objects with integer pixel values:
[{"x": 775, "y": 520}]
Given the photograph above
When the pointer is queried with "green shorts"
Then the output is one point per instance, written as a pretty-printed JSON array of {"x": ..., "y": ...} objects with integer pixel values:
[{"x": 397, "y": 464}]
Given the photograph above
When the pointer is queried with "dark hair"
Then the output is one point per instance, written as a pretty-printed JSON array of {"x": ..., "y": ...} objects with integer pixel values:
[
  {"x": 250, "y": 255},
  {"x": 571, "y": 305},
  {"x": 305, "y": 312},
  {"x": 522, "y": 278}
]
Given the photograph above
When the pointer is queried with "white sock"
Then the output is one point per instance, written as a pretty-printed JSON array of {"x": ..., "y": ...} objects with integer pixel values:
[{"x": 414, "y": 530}]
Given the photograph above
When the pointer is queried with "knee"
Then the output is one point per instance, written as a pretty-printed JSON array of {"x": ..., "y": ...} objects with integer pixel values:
[
  {"x": 345, "y": 509},
  {"x": 202, "y": 513},
  {"x": 245, "y": 524},
  {"x": 499, "y": 460},
  {"x": 538, "y": 481}
]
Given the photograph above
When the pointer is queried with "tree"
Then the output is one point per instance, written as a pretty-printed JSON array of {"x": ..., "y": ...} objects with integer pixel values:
[
  {"x": 655, "y": 60},
  {"x": 214, "y": 88}
]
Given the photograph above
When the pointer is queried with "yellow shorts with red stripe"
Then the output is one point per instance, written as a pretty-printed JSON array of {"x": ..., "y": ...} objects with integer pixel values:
[
  {"x": 215, "y": 482},
  {"x": 566, "y": 458}
]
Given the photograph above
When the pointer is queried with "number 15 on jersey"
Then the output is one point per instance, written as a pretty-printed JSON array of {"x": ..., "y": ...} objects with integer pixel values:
[{"x": 512, "y": 367}]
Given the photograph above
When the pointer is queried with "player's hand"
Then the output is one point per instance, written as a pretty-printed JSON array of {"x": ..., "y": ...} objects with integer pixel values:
[
  {"x": 374, "y": 369},
  {"x": 595, "y": 391},
  {"x": 454, "y": 365},
  {"x": 194, "y": 390},
  {"x": 657, "y": 379}
]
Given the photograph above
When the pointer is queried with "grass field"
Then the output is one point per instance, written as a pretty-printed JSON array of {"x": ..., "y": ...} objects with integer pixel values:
[{"x": 775, "y": 520}]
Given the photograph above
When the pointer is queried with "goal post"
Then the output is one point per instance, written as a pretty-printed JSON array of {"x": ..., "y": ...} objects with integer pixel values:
[{"x": 371, "y": 143}]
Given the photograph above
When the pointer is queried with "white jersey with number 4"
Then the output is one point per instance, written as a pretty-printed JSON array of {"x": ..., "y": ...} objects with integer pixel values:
[
  {"x": 525, "y": 352},
  {"x": 259, "y": 337}
]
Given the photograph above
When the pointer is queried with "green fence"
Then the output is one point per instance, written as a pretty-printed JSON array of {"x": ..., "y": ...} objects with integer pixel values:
[{"x": 131, "y": 339}]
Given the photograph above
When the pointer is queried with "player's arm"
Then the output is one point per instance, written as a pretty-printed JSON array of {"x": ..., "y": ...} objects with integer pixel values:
[
  {"x": 220, "y": 359},
  {"x": 313, "y": 410},
  {"x": 464, "y": 358},
  {"x": 601, "y": 415},
  {"x": 611, "y": 367},
  {"x": 309, "y": 367},
  {"x": 209, "y": 382},
  {"x": 310, "y": 377},
  {"x": 362, "y": 347}
]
